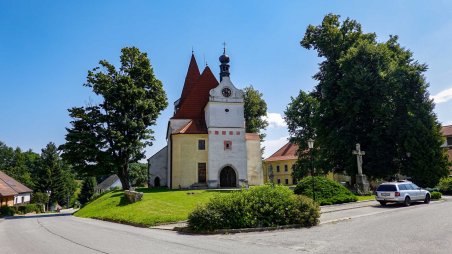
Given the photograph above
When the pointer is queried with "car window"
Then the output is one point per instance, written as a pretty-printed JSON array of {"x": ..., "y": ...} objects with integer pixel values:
[
  {"x": 415, "y": 187},
  {"x": 408, "y": 187},
  {"x": 402, "y": 187},
  {"x": 387, "y": 187}
]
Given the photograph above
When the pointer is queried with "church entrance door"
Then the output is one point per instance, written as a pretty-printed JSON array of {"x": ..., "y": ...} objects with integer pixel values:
[
  {"x": 157, "y": 182},
  {"x": 228, "y": 177}
]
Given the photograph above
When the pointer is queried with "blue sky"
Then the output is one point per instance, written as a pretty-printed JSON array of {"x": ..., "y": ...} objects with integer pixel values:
[{"x": 47, "y": 47}]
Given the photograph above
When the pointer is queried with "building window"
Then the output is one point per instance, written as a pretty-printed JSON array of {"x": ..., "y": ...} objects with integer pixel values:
[
  {"x": 223, "y": 132},
  {"x": 287, "y": 181},
  {"x": 201, "y": 144},
  {"x": 202, "y": 172},
  {"x": 277, "y": 168},
  {"x": 286, "y": 168},
  {"x": 279, "y": 181},
  {"x": 294, "y": 180},
  {"x": 227, "y": 145},
  {"x": 449, "y": 141}
]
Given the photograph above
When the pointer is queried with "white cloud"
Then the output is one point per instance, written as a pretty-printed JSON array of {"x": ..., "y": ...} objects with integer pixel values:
[
  {"x": 271, "y": 146},
  {"x": 275, "y": 120},
  {"x": 443, "y": 96}
]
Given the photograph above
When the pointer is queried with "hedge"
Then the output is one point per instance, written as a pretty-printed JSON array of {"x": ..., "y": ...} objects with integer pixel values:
[
  {"x": 435, "y": 195},
  {"x": 261, "y": 206},
  {"x": 445, "y": 185},
  {"x": 327, "y": 192}
]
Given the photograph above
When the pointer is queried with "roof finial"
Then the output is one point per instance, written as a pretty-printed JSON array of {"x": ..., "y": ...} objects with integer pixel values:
[
  {"x": 205, "y": 62},
  {"x": 192, "y": 50},
  {"x": 224, "y": 48}
]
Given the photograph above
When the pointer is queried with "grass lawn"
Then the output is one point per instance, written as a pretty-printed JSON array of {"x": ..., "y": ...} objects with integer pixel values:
[
  {"x": 364, "y": 198},
  {"x": 157, "y": 207}
]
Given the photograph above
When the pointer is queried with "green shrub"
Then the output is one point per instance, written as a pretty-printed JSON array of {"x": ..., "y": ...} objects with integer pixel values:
[
  {"x": 327, "y": 192},
  {"x": 445, "y": 185},
  {"x": 435, "y": 195},
  {"x": 262, "y": 206},
  {"x": 7, "y": 211},
  {"x": 29, "y": 208}
]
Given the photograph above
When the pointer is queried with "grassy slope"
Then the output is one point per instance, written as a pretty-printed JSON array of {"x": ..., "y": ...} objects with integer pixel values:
[{"x": 158, "y": 206}]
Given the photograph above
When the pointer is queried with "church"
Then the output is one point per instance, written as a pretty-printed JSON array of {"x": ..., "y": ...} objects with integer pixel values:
[{"x": 207, "y": 144}]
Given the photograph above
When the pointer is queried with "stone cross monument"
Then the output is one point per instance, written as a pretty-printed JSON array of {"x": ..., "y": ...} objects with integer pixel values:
[{"x": 361, "y": 179}]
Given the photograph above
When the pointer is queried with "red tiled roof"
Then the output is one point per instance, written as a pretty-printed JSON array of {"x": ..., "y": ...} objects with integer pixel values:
[
  {"x": 446, "y": 130},
  {"x": 194, "y": 126},
  {"x": 10, "y": 187},
  {"x": 252, "y": 136},
  {"x": 287, "y": 152},
  {"x": 192, "y": 106},
  {"x": 193, "y": 75}
]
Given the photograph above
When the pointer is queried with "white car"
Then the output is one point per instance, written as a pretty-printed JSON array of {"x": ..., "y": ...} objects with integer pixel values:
[{"x": 401, "y": 192}]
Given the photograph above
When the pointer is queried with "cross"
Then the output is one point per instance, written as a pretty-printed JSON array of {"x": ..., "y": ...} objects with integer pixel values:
[{"x": 359, "y": 158}]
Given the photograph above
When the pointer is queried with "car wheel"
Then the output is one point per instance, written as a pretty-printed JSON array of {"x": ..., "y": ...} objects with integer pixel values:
[
  {"x": 407, "y": 201},
  {"x": 382, "y": 203},
  {"x": 427, "y": 199}
]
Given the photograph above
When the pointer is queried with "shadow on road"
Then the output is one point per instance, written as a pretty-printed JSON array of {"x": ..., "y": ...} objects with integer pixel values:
[
  {"x": 397, "y": 205},
  {"x": 32, "y": 216}
]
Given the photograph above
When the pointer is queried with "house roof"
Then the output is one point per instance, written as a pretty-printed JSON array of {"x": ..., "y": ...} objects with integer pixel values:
[
  {"x": 287, "y": 152},
  {"x": 195, "y": 93},
  {"x": 446, "y": 130},
  {"x": 194, "y": 126},
  {"x": 10, "y": 187},
  {"x": 107, "y": 183}
]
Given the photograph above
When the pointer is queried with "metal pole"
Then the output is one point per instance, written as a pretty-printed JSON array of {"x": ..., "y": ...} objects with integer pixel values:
[{"x": 313, "y": 178}]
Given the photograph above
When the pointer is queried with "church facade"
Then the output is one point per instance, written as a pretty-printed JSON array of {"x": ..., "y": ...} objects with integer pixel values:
[{"x": 207, "y": 143}]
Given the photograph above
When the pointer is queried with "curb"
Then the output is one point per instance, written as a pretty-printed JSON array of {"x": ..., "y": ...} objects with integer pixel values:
[{"x": 186, "y": 230}]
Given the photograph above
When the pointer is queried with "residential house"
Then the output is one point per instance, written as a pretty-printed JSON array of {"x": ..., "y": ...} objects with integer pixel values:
[
  {"x": 278, "y": 167},
  {"x": 108, "y": 184},
  {"x": 12, "y": 192},
  {"x": 447, "y": 133}
]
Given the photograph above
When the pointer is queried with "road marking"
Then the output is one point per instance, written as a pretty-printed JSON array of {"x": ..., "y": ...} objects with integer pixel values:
[{"x": 67, "y": 239}]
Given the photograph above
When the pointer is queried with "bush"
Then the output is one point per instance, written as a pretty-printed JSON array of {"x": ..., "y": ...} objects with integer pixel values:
[
  {"x": 262, "y": 206},
  {"x": 7, "y": 211},
  {"x": 435, "y": 195},
  {"x": 445, "y": 185},
  {"x": 29, "y": 208},
  {"x": 327, "y": 192},
  {"x": 40, "y": 198}
]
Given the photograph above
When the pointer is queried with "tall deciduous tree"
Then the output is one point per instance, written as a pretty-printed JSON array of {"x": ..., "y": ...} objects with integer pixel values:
[
  {"x": 255, "y": 111},
  {"x": 373, "y": 93},
  {"x": 299, "y": 116},
  {"x": 107, "y": 137}
]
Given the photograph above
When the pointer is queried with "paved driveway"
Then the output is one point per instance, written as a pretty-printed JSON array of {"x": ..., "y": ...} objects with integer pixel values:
[{"x": 369, "y": 229}]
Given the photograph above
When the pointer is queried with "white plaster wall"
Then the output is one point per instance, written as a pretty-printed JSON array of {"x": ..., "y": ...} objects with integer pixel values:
[
  {"x": 117, "y": 184},
  {"x": 218, "y": 157},
  {"x": 158, "y": 167},
  {"x": 254, "y": 158},
  {"x": 18, "y": 198},
  {"x": 216, "y": 115}
]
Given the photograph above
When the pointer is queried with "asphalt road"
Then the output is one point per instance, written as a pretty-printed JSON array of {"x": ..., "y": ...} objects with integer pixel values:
[{"x": 369, "y": 229}]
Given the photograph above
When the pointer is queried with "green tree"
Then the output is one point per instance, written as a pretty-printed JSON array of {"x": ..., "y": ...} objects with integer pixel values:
[
  {"x": 299, "y": 116},
  {"x": 255, "y": 111},
  {"x": 107, "y": 137},
  {"x": 138, "y": 174},
  {"x": 87, "y": 191},
  {"x": 372, "y": 93},
  {"x": 54, "y": 175},
  {"x": 17, "y": 164}
]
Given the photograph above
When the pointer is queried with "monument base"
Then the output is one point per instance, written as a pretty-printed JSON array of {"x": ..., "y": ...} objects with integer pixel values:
[{"x": 362, "y": 185}]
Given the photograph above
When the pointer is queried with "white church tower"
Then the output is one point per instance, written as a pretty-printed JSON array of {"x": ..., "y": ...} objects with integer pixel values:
[{"x": 225, "y": 121}]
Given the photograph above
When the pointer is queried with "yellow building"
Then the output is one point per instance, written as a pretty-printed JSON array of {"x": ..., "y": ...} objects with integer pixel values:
[
  {"x": 279, "y": 166},
  {"x": 447, "y": 134},
  {"x": 207, "y": 143}
]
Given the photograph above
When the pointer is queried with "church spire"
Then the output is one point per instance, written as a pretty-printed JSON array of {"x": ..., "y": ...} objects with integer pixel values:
[{"x": 224, "y": 66}]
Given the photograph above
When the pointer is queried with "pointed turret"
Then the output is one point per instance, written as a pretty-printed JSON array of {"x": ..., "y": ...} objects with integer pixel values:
[{"x": 193, "y": 75}]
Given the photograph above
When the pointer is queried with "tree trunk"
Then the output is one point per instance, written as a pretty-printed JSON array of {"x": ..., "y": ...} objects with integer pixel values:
[{"x": 123, "y": 175}]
